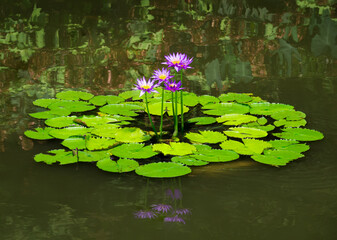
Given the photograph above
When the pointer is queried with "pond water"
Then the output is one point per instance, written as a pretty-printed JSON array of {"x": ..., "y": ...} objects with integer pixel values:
[{"x": 282, "y": 51}]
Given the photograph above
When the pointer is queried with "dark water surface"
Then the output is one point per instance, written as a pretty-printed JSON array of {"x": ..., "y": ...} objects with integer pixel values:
[{"x": 282, "y": 51}]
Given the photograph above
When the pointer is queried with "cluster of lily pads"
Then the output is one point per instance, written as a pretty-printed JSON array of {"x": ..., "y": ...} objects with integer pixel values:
[{"x": 103, "y": 129}]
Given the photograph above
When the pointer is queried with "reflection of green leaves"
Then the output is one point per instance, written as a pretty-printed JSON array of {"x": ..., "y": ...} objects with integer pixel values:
[
  {"x": 189, "y": 161},
  {"x": 163, "y": 170},
  {"x": 174, "y": 148},
  {"x": 245, "y": 132},
  {"x": 133, "y": 150},
  {"x": 206, "y": 137},
  {"x": 225, "y": 108},
  {"x": 235, "y": 119},
  {"x": 39, "y": 133},
  {"x": 74, "y": 95},
  {"x": 202, "y": 120},
  {"x": 300, "y": 134},
  {"x": 120, "y": 166},
  {"x": 131, "y": 135},
  {"x": 121, "y": 109}
]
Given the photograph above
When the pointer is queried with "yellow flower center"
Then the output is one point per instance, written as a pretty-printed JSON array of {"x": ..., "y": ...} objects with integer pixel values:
[
  {"x": 172, "y": 85},
  {"x": 176, "y": 62},
  {"x": 146, "y": 87},
  {"x": 162, "y": 77}
]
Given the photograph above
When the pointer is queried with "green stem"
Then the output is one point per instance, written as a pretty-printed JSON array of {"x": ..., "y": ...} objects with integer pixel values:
[
  {"x": 182, "y": 102},
  {"x": 175, "y": 115},
  {"x": 148, "y": 113},
  {"x": 161, "y": 116}
]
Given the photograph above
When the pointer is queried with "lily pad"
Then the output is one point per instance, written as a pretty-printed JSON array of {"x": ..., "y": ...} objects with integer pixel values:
[
  {"x": 155, "y": 108},
  {"x": 235, "y": 119},
  {"x": 45, "y": 102},
  {"x": 60, "y": 122},
  {"x": 74, "y": 143},
  {"x": 121, "y": 109},
  {"x": 256, "y": 146},
  {"x": 245, "y": 132},
  {"x": 120, "y": 166},
  {"x": 99, "y": 143},
  {"x": 74, "y": 95},
  {"x": 131, "y": 135},
  {"x": 133, "y": 150},
  {"x": 175, "y": 148},
  {"x": 93, "y": 121},
  {"x": 267, "y": 108},
  {"x": 225, "y": 108},
  {"x": 59, "y": 155},
  {"x": 163, "y": 170},
  {"x": 189, "y": 161},
  {"x": 206, "y": 137},
  {"x": 289, "y": 114},
  {"x": 189, "y": 99},
  {"x": 57, "y": 112},
  {"x": 288, "y": 124},
  {"x": 106, "y": 130},
  {"x": 266, "y": 128},
  {"x": 202, "y": 120},
  {"x": 72, "y": 106},
  {"x": 300, "y": 134},
  {"x": 65, "y": 133},
  {"x": 237, "y": 147},
  {"x": 39, "y": 133},
  {"x": 277, "y": 157},
  {"x": 237, "y": 97},
  {"x": 134, "y": 95},
  {"x": 206, "y": 99},
  {"x": 109, "y": 99},
  {"x": 216, "y": 155}
]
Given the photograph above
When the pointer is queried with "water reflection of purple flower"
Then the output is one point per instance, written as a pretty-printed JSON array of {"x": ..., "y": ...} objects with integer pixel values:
[
  {"x": 163, "y": 208},
  {"x": 182, "y": 211},
  {"x": 174, "y": 219},
  {"x": 174, "y": 196},
  {"x": 145, "y": 214}
]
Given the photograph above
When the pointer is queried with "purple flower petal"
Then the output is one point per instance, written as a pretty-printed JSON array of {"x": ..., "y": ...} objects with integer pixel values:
[
  {"x": 163, "y": 208},
  {"x": 174, "y": 219},
  {"x": 145, "y": 214}
]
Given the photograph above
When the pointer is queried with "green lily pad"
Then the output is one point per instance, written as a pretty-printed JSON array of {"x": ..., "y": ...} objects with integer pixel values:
[
  {"x": 189, "y": 99},
  {"x": 206, "y": 137},
  {"x": 106, "y": 130},
  {"x": 163, "y": 170},
  {"x": 288, "y": 124},
  {"x": 225, "y": 108},
  {"x": 155, "y": 108},
  {"x": 300, "y": 134},
  {"x": 65, "y": 133},
  {"x": 267, "y": 108},
  {"x": 99, "y": 143},
  {"x": 45, "y": 102},
  {"x": 59, "y": 155},
  {"x": 237, "y": 97},
  {"x": 131, "y": 135},
  {"x": 206, "y": 99},
  {"x": 289, "y": 114},
  {"x": 256, "y": 146},
  {"x": 120, "y": 166},
  {"x": 133, "y": 150},
  {"x": 74, "y": 143},
  {"x": 174, "y": 148},
  {"x": 262, "y": 121},
  {"x": 109, "y": 99},
  {"x": 237, "y": 147},
  {"x": 289, "y": 145},
  {"x": 202, "y": 120},
  {"x": 266, "y": 128},
  {"x": 235, "y": 119},
  {"x": 121, "y": 109},
  {"x": 245, "y": 132},
  {"x": 216, "y": 155},
  {"x": 93, "y": 121},
  {"x": 92, "y": 156},
  {"x": 277, "y": 157},
  {"x": 72, "y": 106},
  {"x": 60, "y": 122},
  {"x": 39, "y": 133},
  {"x": 134, "y": 94},
  {"x": 189, "y": 161},
  {"x": 74, "y": 95},
  {"x": 57, "y": 112}
]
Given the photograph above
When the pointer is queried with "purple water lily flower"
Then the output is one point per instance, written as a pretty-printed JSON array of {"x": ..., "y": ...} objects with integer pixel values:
[
  {"x": 144, "y": 86},
  {"x": 182, "y": 211},
  {"x": 145, "y": 214},
  {"x": 163, "y": 208},
  {"x": 174, "y": 219},
  {"x": 177, "y": 60},
  {"x": 186, "y": 63},
  {"x": 173, "y": 86},
  {"x": 162, "y": 75}
]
